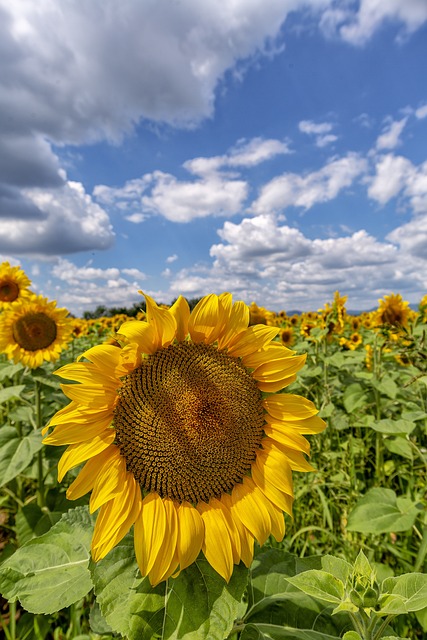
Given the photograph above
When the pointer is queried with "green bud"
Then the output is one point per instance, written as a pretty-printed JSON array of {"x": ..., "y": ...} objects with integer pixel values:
[
  {"x": 356, "y": 598},
  {"x": 370, "y": 597}
]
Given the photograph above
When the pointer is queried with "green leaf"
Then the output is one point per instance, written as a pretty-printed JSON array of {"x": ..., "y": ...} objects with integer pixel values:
[
  {"x": 379, "y": 512},
  {"x": 197, "y": 604},
  {"x": 406, "y": 593},
  {"x": 339, "y": 568},
  {"x": 11, "y": 392},
  {"x": 262, "y": 631},
  {"x": 16, "y": 453},
  {"x": 31, "y": 522},
  {"x": 394, "y": 427},
  {"x": 320, "y": 585},
  {"x": 354, "y": 397},
  {"x": 51, "y": 572},
  {"x": 400, "y": 446},
  {"x": 387, "y": 387},
  {"x": 8, "y": 369},
  {"x": 362, "y": 566},
  {"x": 422, "y": 618},
  {"x": 351, "y": 635}
]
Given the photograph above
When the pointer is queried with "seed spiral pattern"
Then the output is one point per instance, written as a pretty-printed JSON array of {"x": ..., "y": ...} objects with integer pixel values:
[
  {"x": 189, "y": 422},
  {"x": 9, "y": 291},
  {"x": 34, "y": 331}
]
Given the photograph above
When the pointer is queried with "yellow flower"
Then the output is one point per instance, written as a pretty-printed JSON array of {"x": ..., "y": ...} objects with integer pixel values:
[
  {"x": 286, "y": 336},
  {"x": 13, "y": 284},
  {"x": 393, "y": 310},
  {"x": 185, "y": 436},
  {"x": 34, "y": 330}
]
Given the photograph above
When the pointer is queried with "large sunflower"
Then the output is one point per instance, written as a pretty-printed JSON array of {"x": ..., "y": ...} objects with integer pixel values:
[
  {"x": 393, "y": 310},
  {"x": 33, "y": 330},
  {"x": 14, "y": 284},
  {"x": 185, "y": 436}
]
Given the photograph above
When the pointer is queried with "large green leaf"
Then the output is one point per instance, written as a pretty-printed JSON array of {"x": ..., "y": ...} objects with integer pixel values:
[
  {"x": 406, "y": 593},
  {"x": 11, "y": 392},
  {"x": 198, "y": 604},
  {"x": 51, "y": 572},
  {"x": 320, "y": 585},
  {"x": 16, "y": 453},
  {"x": 354, "y": 397},
  {"x": 394, "y": 427},
  {"x": 381, "y": 511}
]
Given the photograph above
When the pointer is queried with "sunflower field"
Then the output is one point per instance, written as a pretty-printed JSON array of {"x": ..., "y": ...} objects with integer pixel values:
[{"x": 212, "y": 470}]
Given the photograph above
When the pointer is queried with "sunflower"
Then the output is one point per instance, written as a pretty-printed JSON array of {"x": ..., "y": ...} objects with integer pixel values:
[
  {"x": 185, "y": 436},
  {"x": 286, "y": 336},
  {"x": 393, "y": 310},
  {"x": 33, "y": 330},
  {"x": 13, "y": 284}
]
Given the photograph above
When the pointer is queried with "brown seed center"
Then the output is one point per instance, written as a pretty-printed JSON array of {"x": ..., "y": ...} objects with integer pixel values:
[
  {"x": 189, "y": 422},
  {"x": 34, "y": 331},
  {"x": 9, "y": 291}
]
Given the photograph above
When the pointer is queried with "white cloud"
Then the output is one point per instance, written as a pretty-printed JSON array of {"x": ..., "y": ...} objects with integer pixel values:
[
  {"x": 134, "y": 273},
  {"x": 390, "y": 138},
  {"x": 321, "y": 131},
  {"x": 136, "y": 218},
  {"x": 71, "y": 222},
  {"x": 421, "y": 112},
  {"x": 397, "y": 175},
  {"x": 291, "y": 189},
  {"x": 357, "y": 28},
  {"x": 323, "y": 141},
  {"x": 171, "y": 258}
]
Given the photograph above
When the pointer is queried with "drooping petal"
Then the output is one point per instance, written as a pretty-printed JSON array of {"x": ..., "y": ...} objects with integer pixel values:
[
  {"x": 248, "y": 503},
  {"x": 277, "y": 497},
  {"x": 166, "y": 562},
  {"x": 273, "y": 351},
  {"x": 116, "y": 518},
  {"x": 296, "y": 459},
  {"x": 277, "y": 520},
  {"x": 273, "y": 466},
  {"x": 279, "y": 368},
  {"x": 77, "y": 432},
  {"x": 232, "y": 529},
  {"x": 216, "y": 544},
  {"x": 87, "y": 476},
  {"x": 181, "y": 312},
  {"x": 75, "y": 454},
  {"x": 150, "y": 532},
  {"x": 246, "y": 538},
  {"x": 109, "y": 481},
  {"x": 290, "y": 438},
  {"x": 191, "y": 532},
  {"x": 314, "y": 424},
  {"x": 273, "y": 387}
]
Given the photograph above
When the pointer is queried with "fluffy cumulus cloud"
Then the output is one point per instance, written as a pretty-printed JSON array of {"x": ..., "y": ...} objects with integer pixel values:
[
  {"x": 398, "y": 176},
  {"x": 390, "y": 138},
  {"x": 291, "y": 189},
  {"x": 357, "y": 27}
]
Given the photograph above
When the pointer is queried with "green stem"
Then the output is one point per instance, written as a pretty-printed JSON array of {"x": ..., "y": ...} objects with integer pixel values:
[
  {"x": 12, "y": 620},
  {"x": 41, "y": 501},
  {"x": 383, "y": 626},
  {"x": 358, "y": 624}
]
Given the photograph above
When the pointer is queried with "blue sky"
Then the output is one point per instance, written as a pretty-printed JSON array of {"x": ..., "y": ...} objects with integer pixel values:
[{"x": 274, "y": 149}]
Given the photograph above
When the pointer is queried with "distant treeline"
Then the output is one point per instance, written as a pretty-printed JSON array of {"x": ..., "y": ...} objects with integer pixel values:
[{"x": 102, "y": 311}]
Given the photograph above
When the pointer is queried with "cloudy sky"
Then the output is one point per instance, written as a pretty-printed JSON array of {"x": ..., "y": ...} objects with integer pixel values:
[{"x": 272, "y": 148}]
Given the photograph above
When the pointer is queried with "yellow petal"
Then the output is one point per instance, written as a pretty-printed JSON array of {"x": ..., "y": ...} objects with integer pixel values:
[
  {"x": 116, "y": 518},
  {"x": 191, "y": 532},
  {"x": 273, "y": 351},
  {"x": 279, "y": 368},
  {"x": 78, "y": 453},
  {"x": 277, "y": 497},
  {"x": 246, "y": 538},
  {"x": 109, "y": 481},
  {"x": 204, "y": 322},
  {"x": 105, "y": 356},
  {"x": 181, "y": 312},
  {"x": 150, "y": 532},
  {"x": 248, "y": 503},
  {"x": 288, "y": 406},
  {"x": 142, "y": 333},
  {"x": 87, "y": 476},
  {"x": 163, "y": 321},
  {"x": 73, "y": 433},
  {"x": 251, "y": 339},
  {"x": 96, "y": 396},
  {"x": 167, "y": 561},
  {"x": 217, "y": 544},
  {"x": 290, "y": 438},
  {"x": 232, "y": 529},
  {"x": 273, "y": 387},
  {"x": 307, "y": 426},
  {"x": 277, "y": 520},
  {"x": 273, "y": 466},
  {"x": 295, "y": 459},
  {"x": 73, "y": 412},
  {"x": 237, "y": 322}
]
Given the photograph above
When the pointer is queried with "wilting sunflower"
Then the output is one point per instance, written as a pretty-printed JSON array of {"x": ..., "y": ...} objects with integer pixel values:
[
  {"x": 14, "y": 284},
  {"x": 34, "y": 330},
  {"x": 393, "y": 310},
  {"x": 185, "y": 436}
]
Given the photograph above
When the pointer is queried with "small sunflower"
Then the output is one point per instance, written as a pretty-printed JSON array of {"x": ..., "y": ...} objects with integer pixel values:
[
  {"x": 286, "y": 336},
  {"x": 393, "y": 310},
  {"x": 34, "y": 330},
  {"x": 185, "y": 436},
  {"x": 14, "y": 284}
]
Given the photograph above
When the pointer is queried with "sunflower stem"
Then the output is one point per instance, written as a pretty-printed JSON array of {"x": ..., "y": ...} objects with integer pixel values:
[{"x": 40, "y": 476}]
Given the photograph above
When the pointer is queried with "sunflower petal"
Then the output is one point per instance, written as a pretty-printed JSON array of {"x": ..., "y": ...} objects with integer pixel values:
[
  {"x": 288, "y": 406},
  {"x": 248, "y": 503},
  {"x": 150, "y": 532},
  {"x": 237, "y": 322},
  {"x": 163, "y": 321},
  {"x": 307, "y": 426},
  {"x": 75, "y": 454},
  {"x": 167, "y": 561},
  {"x": 142, "y": 333},
  {"x": 251, "y": 339},
  {"x": 191, "y": 532},
  {"x": 181, "y": 312},
  {"x": 204, "y": 323},
  {"x": 216, "y": 544},
  {"x": 109, "y": 481},
  {"x": 73, "y": 433}
]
